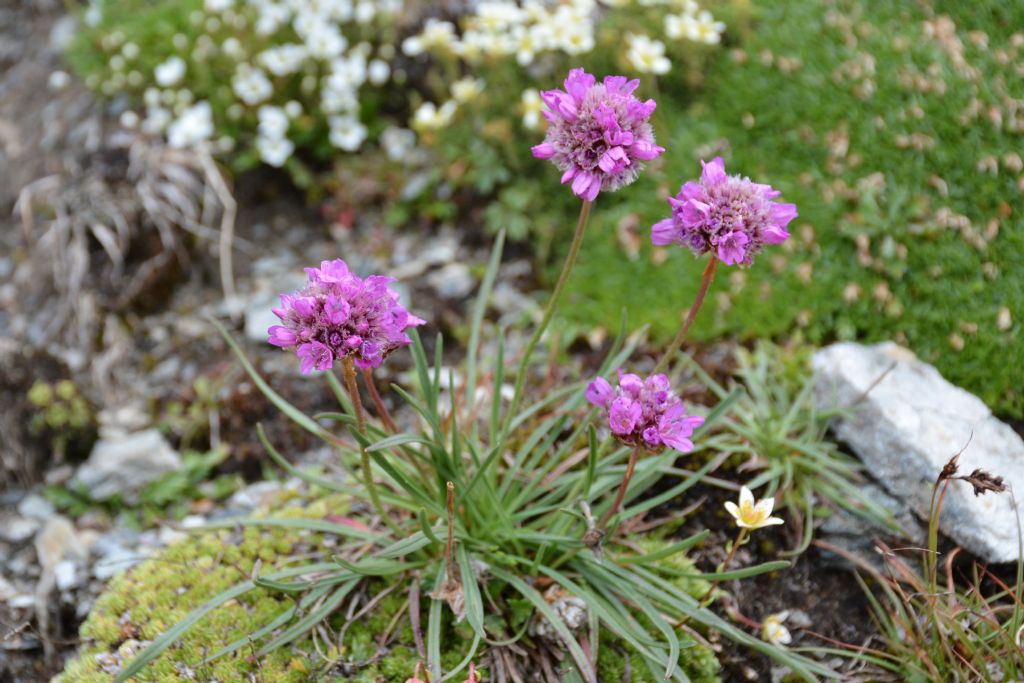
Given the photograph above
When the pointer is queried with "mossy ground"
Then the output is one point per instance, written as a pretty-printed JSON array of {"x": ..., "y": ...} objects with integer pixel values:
[
  {"x": 144, "y": 602},
  {"x": 896, "y": 128}
]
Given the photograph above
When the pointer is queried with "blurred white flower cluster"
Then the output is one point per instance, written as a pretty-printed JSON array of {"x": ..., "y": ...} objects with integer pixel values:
[
  {"x": 527, "y": 29},
  {"x": 283, "y": 59},
  {"x": 273, "y": 75}
]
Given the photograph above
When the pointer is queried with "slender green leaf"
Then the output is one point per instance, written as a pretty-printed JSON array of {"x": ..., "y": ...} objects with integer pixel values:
[
  {"x": 538, "y": 601},
  {"x": 471, "y": 592}
]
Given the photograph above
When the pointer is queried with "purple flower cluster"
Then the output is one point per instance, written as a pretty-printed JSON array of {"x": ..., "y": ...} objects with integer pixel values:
[
  {"x": 598, "y": 133},
  {"x": 339, "y": 314},
  {"x": 731, "y": 216},
  {"x": 645, "y": 412}
]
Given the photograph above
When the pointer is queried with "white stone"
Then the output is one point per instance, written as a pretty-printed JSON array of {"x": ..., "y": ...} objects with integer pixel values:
[
  {"x": 905, "y": 424},
  {"x": 454, "y": 281},
  {"x": 124, "y": 466},
  {"x": 66, "y": 573},
  {"x": 36, "y": 507}
]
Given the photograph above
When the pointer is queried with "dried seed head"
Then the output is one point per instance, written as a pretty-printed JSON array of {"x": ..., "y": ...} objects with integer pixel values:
[{"x": 983, "y": 482}]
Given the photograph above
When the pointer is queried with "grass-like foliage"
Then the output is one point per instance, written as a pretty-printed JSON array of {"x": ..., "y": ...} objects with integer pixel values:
[
  {"x": 776, "y": 428},
  {"x": 943, "y": 620},
  {"x": 492, "y": 515}
]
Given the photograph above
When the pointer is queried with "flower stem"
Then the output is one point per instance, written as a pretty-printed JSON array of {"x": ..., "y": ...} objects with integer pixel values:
[
  {"x": 378, "y": 403},
  {"x": 549, "y": 311},
  {"x": 451, "y": 570},
  {"x": 677, "y": 343},
  {"x": 349, "y": 372},
  {"x": 740, "y": 538},
  {"x": 630, "y": 466}
]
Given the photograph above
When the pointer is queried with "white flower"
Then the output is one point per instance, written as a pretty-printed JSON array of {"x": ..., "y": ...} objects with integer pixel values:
[
  {"x": 751, "y": 515},
  {"x": 347, "y": 72},
  {"x": 325, "y": 41},
  {"x": 532, "y": 106},
  {"x": 193, "y": 126},
  {"x": 251, "y": 85},
  {"x": 151, "y": 97},
  {"x": 365, "y": 12},
  {"x": 397, "y": 142},
  {"x": 473, "y": 45},
  {"x": 170, "y": 72},
  {"x": 130, "y": 50},
  {"x": 274, "y": 151},
  {"x": 704, "y": 29},
  {"x": 435, "y": 34},
  {"x": 773, "y": 630},
  {"x": 334, "y": 99},
  {"x": 526, "y": 46},
  {"x": 232, "y": 47},
  {"x": 293, "y": 109},
  {"x": 677, "y": 25},
  {"x": 347, "y": 132},
  {"x": 378, "y": 71},
  {"x": 428, "y": 116},
  {"x": 273, "y": 121},
  {"x": 271, "y": 18},
  {"x": 129, "y": 119},
  {"x": 577, "y": 38},
  {"x": 218, "y": 5},
  {"x": 117, "y": 62},
  {"x": 156, "y": 121},
  {"x": 646, "y": 55},
  {"x": 466, "y": 89},
  {"x": 283, "y": 60},
  {"x": 58, "y": 80}
]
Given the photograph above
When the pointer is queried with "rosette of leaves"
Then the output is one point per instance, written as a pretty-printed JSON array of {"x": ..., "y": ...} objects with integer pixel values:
[{"x": 491, "y": 516}]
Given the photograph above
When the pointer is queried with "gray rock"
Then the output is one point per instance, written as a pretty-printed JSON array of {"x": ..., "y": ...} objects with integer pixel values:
[
  {"x": 258, "y": 309},
  {"x": 454, "y": 281},
  {"x": 15, "y": 529},
  {"x": 905, "y": 422},
  {"x": 124, "y": 466},
  {"x": 856, "y": 534},
  {"x": 36, "y": 507}
]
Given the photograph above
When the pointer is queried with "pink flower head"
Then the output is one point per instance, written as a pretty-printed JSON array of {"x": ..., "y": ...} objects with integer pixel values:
[
  {"x": 729, "y": 216},
  {"x": 339, "y": 314},
  {"x": 645, "y": 412},
  {"x": 598, "y": 133}
]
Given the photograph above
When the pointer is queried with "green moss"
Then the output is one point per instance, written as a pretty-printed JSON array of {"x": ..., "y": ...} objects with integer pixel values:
[
  {"x": 872, "y": 256},
  {"x": 143, "y": 603}
]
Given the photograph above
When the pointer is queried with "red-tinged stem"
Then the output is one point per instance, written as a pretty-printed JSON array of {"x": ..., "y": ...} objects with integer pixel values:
[
  {"x": 378, "y": 403},
  {"x": 677, "y": 343},
  {"x": 349, "y": 373},
  {"x": 725, "y": 565},
  {"x": 630, "y": 466}
]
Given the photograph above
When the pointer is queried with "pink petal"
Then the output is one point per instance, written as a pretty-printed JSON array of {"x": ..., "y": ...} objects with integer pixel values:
[
  {"x": 664, "y": 232},
  {"x": 713, "y": 172}
]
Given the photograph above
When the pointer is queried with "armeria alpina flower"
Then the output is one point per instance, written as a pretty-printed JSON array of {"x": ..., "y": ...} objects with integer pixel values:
[
  {"x": 645, "y": 412},
  {"x": 730, "y": 216},
  {"x": 774, "y": 631},
  {"x": 751, "y": 515},
  {"x": 598, "y": 133},
  {"x": 339, "y": 314}
]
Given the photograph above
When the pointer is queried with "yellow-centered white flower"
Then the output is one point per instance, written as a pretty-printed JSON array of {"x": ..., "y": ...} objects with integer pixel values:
[
  {"x": 774, "y": 631},
  {"x": 750, "y": 514}
]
